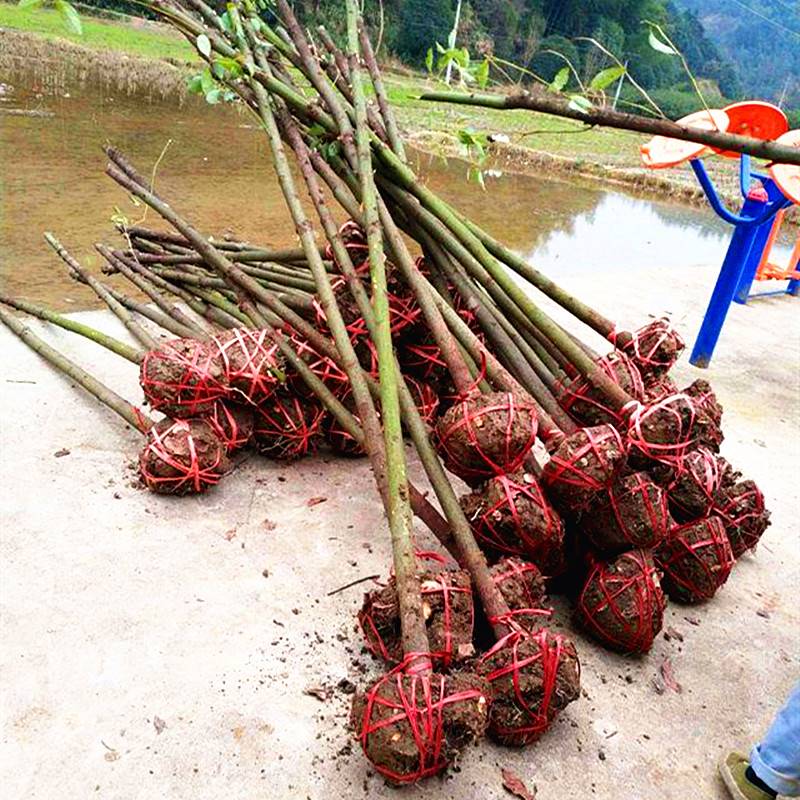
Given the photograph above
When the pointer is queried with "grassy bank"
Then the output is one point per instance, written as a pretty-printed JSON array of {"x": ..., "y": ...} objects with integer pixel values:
[{"x": 138, "y": 38}]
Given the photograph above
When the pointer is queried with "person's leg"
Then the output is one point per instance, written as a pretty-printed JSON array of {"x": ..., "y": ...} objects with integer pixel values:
[{"x": 776, "y": 760}]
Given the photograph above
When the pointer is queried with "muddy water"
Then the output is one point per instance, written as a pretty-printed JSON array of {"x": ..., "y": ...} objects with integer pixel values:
[{"x": 215, "y": 169}]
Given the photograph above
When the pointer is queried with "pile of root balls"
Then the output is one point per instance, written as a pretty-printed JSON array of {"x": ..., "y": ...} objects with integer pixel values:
[{"x": 554, "y": 467}]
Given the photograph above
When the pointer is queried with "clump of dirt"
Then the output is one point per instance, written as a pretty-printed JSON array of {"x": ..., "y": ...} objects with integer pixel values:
[
  {"x": 696, "y": 560},
  {"x": 510, "y": 515},
  {"x": 521, "y": 583},
  {"x": 252, "y": 364},
  {"x": 447, "y": 609},
  {"x": 287, "y": 427},
  {"x": 584, "y": 463},
  {"x": 532, "y": 676},
  {"x": 414, "y": 726},
  {"x": 338, "y": 439},
  {"x": 233, "y": 423},
  {"x": 622, "y": 603},
  {"x": 588, "y": 404},
  {"x": 662, "y": 432},
  {"x": 708, "y": 426},
  {"x": 741, "y": 506},
  {"x": 183, "y": 378},
  {"x": 692, "y": 486},
  {"x": 654, "y": 348},
  {"x": 632, "y": 513},
  {"x": 487, "y": 434},
  {"x": 182, "y": 457}
]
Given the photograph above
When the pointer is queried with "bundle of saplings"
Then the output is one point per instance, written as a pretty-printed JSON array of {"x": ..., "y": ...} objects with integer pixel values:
[{"x": 575, "y": 468}]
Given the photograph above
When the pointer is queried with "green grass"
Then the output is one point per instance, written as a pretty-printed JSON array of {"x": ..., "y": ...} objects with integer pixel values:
[{"x": 140, "y": 39}]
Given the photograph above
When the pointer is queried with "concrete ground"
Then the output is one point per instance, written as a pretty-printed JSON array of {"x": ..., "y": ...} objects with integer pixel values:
[{"x": 156, "y": 647}]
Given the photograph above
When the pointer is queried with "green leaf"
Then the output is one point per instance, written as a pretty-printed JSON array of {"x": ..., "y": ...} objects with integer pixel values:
[
  {"x": 662, "y": 47},
  {"x": 69, "y": 16},
  {"x": 229, "y": 66},
  {"x": 203, "y": 45},
  {"x": 577, "y": 102},
  {"x": 482, "y": 73},
  {"x": 606, "y": 77},
  {"x": 195, "y": 84},
  {"x": 560, "y": 80},
  {"x": 29, "y": 3},
  {"x": 476, "y": 175},
  {"x": 207, "y": 81},
  {"x": 225, "y": 19},
  {"x": 428, "y": 57},
  {"x": 214, "y": 96}
]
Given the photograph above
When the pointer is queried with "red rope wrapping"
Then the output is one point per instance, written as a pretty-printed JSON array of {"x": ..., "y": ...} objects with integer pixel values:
[
  {"x": 622, "y": 603},
  {"x": 182, "y": 378},
  {"x": 448, "y": 611},
  {"x": 403, "y": 707},
  {"x": 511, "y": 516},
  {"x": 654, "y": 348},
  {"x": 696, "y": 560},
  {"x": 354, "y": 240},
  {"x": 287, "y": 426},
  {"x": 423, "y": 360},
  {"x": 232, "y": 425},
  {"x": 323, "y": 367},
  {"x": 709, "y": 414},
  {"x": 182, "y": 457},
  {"x": 250, "y": 361},
  {"x": 588, "y": 405},
  {"x": 485, "y": 435},
  {"x": 632, "y": 513},
  {"x": 694, "y": 485},
  {"x": 523, "y": 587},
  {"x": 743, "y": 511},
  {"x": 582, "y": 465},
  {"x": 425, "y": 398},
  {"x": 532, "y": 677},
  {"x": 663, "y": 431}
]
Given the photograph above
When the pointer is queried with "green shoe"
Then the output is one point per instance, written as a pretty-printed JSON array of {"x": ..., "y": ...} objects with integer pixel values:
[{"x": 732, "y": 769}]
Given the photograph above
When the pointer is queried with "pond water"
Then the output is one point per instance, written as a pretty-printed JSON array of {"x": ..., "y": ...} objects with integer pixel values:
[{"x": 216, "y": 170}]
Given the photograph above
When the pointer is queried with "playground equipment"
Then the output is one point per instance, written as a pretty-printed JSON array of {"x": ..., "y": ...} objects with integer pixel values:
[{"x": 756, "y": 225}]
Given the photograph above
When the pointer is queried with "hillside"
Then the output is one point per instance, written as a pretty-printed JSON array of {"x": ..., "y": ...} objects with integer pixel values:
[{"x": 761, "y": 38}]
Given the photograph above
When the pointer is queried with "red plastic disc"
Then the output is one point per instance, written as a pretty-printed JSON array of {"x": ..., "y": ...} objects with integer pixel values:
[
  {"x": 787, "y": 176},
  {"x": 755, "y": 118},
  {"x": 663, "y": 151}
]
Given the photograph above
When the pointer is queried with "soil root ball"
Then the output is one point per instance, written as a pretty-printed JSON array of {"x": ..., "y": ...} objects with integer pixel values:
[
  {"x": 658, "y": 388},
  {"x": 532, "y": 676},
  {"x": 521, "y": 583},
  {"x": 742, "y": 509},
  {"x": 632, "y": 513},
  {"x": 354, "y": 240},
  {"x": 487, "y": 434},
  {"x": 423, "y": 359},
  {"x": 447, "y": 609},
  {"x": 662, "y": 432},
  {"x": 232, "y": 423},
  {"x": 183, "y": 378},
  {"x": 252, "y": 365},
  {"x": 510, "y": 515},
  {"x": 182, "y": 457},
  {"x": 338, "y": 439},
  {"x": 287, "y": 427},
  {"x": 588, "y": 405},
  {"x": 622, "y": 603},
  {"x": 708, "y": 427},
  {"x": 323, "y": 367},
  {"x": 696, "y": 560},
  {"x": 654, "y": 348},
  {"x": 583, "y": 464},
  {"x": 691, "y": 488},
  {"x": 412, "y": 726}
]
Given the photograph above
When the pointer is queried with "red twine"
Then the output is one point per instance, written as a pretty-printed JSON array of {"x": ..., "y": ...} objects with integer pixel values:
[
  {"x": 355, "y": 242},
  {"x": 622, "y": 603},
  {"x": 181, "y": 457},
  {"x": 696, "y": 559},
  {"x": 654, "y": 348},
  {"x": 322, "y": 366},
  {"x": 287, "y": 426},
  {"x": 250, "y": 362},
  {"x": 662, "y": 431},
  {"x": 232, "y": 425}
]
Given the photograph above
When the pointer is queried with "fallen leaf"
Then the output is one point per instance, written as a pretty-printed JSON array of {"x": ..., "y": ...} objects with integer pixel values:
[
  {"x": 692, "y": 620},
  {"x": 320, "y": 692},
  {"x": 228, "y": 535},
  {"x": 159, "y": 724},
  {"x": 315, "y": 501},
  {"x": 62, "y": 452},
  {"x": 672, "y": 633},
  {"x": 513, "y": 783},
  {"x": 669, "y": 676},
  {"x": 269, "y": 525}
]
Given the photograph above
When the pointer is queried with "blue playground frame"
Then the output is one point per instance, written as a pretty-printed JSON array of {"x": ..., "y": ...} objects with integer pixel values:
[{"x": 752, "y": 226}]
